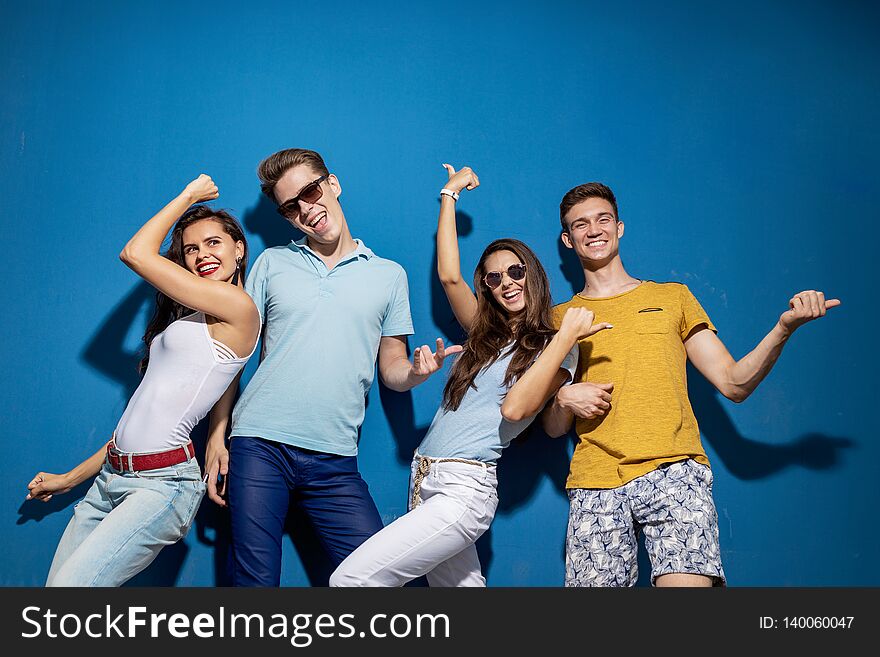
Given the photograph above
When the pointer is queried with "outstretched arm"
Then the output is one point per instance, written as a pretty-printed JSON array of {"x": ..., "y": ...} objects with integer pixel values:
[
  {"x": 459, "y": 293},
  {"x": 395, "y": 368},
  {"x": 216, "y": 298},
  {"x": 45, "y": 484},
  {"x": 736, "y": 380},
  {"x": 529, "y": 394}
]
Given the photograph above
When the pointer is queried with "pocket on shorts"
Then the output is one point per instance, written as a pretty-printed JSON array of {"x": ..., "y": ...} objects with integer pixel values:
[{"x": 705, "y": 473}]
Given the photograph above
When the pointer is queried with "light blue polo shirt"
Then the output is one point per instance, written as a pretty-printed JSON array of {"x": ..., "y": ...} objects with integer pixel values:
[
  {"x": 320, "y": 341},
  {"x": 476, "y": 430}
]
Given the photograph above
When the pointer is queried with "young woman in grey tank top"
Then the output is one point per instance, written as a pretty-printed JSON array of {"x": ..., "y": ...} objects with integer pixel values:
[{"x": 512, "y": 362}]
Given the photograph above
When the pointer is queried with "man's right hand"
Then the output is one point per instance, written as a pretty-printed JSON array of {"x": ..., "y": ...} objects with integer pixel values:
[
  {"x": 216, "y": 463},
  {"x": 45, "y": 484},
  {"x": 586, "y": 400},
  {"x": 201, "y": 189}
]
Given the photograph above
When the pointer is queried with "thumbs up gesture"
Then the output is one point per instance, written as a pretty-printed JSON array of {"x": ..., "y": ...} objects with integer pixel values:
[{"x": 805, "y": 307}]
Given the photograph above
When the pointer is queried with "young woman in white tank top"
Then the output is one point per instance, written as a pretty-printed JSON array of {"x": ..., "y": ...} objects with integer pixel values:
[{"x": 149, "y": 485}]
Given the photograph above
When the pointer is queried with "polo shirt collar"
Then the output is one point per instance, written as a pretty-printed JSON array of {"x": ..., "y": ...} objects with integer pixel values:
[{"x": 361, "y": 249}]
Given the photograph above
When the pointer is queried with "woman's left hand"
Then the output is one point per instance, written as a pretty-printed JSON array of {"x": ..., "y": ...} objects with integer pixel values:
[{"x": 578, "y": 323}]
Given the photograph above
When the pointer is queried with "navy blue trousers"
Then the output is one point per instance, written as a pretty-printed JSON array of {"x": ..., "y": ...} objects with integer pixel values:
[{"x": 265, "y": 477}]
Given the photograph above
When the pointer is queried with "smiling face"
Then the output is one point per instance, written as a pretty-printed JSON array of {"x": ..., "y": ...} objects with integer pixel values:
[
  {"x": 593, "y": 232},
  {"x": 321, "y": 221},
  {"x": 209, "y": 251},
  {"x": 510, "y": 294}
]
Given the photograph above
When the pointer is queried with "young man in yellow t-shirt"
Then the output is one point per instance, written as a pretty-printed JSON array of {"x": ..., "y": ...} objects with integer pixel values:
[{"x": 639, "y": 465}]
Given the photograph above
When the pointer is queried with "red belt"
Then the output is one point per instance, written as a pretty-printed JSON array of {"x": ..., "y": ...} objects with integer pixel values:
[{"x": 126, "y": 462}]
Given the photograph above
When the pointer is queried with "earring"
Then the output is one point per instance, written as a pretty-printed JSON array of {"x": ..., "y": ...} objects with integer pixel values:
[{"x": 237, "y": 270}]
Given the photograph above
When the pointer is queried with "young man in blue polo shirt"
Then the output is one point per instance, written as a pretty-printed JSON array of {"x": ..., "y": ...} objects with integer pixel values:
[{"x": 329, "y": 307}]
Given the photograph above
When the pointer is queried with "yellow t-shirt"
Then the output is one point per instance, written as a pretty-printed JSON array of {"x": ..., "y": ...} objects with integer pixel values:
[{"x": 650, "y": 421}]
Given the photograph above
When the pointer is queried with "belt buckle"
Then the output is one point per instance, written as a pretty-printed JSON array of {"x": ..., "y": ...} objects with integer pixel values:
[{"x": 113, "y": 458}]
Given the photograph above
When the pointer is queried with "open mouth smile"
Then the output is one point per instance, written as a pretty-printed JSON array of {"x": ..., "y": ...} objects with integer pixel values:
[
  {"x": 319, "y": 222},
  {"x": 512, "y": 295},
  {"x": 207, "y": 268}
]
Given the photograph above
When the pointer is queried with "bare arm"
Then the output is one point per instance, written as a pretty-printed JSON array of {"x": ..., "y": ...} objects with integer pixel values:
[
  {"x": 461, "y": 297},
  {"x": 585, "y": 400},
  {"x": 395, "y": 368},
  {"x": 216, "y": 453},
  {"x": 736, "y": 380},
  {"x": 529, "y": 394},
  {"x": 556, "y": 419},
  {"x": 227, "y": 303},
  {"x": 45, "y": 484}
]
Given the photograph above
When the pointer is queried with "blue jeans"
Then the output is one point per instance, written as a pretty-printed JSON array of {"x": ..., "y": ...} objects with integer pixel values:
[
  {"x": 265, "y": 477},
  {"x": 123, "y": 522}
]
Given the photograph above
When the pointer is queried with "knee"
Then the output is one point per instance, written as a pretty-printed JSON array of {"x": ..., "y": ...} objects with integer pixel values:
[
  {"x": 69, "y": 577},
  {"x": 345, "y": 577}
]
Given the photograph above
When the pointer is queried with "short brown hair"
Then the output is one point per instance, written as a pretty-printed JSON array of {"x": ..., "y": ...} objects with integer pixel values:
[
  {"x": 276, "y": 165},
  {"x": 582, "y": 193}
]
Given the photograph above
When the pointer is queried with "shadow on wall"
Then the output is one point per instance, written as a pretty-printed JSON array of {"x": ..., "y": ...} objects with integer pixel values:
[
  {"x": 398, "y": 406},
  {"x": 748, "y": 459},
  {"x": 570, "y": 267},
  {"x": 36, "y": 510},
  {"x": 106, "y": 353},
  {"x": 264, "y": 221}
]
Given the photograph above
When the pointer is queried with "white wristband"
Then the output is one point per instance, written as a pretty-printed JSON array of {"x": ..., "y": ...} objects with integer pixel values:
[{"x": 449, "y": 192}]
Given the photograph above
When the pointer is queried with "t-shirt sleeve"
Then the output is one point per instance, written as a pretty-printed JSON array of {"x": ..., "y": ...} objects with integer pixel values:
[
  {"x": 571, "y": 362},
  {"x": 692, "y": 314},
  {"x": 398, "y": 320},
  {"x": 557, "y": 313},
  {"x": 255, "y": 284}
]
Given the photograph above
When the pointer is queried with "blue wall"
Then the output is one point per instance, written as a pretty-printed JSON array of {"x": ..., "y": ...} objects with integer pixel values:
[{"x": 742, "y": 144}]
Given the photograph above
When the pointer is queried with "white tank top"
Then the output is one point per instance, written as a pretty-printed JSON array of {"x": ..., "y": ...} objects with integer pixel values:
[{"x": 187, "y": 373}]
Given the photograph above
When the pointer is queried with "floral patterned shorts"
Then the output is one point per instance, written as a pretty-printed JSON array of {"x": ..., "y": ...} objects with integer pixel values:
[{"x": 673, "y": 507}]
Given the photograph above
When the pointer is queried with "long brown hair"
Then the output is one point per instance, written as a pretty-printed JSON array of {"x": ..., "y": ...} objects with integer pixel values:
[
  {"x": 167, "y": 309},
  {"x": 493, "y": 329}
]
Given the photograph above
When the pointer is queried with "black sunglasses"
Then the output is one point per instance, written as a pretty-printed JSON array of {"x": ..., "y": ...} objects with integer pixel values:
[
  {"x": 311, "y": 193},
  {"x": 493, "y": 279}
]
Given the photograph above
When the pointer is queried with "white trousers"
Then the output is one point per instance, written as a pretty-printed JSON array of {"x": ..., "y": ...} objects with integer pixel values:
[{"x": 436, "y": 538}]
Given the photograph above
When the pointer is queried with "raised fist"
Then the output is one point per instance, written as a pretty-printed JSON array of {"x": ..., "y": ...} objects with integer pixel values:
[{"x": 202, "y": 189}]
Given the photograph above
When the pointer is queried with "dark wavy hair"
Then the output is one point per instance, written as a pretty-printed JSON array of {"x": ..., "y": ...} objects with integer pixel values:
[
  {"x": 167, "y": 309},
  {"x": 493, "y": 328}
]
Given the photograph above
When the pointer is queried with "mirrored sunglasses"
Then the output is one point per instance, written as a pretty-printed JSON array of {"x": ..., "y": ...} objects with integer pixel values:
[{"x": 493, "y": 279}]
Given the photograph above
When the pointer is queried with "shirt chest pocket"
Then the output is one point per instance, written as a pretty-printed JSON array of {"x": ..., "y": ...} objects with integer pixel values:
[{"x": 654, "y": 322}]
